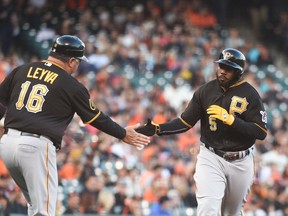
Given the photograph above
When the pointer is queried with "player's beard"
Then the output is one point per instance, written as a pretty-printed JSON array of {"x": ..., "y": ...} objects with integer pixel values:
[{"x": 225, "y": 82}]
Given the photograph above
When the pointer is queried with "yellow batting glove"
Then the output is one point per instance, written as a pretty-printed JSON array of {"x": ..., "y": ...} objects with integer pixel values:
[{"x": 220, "y": 113}]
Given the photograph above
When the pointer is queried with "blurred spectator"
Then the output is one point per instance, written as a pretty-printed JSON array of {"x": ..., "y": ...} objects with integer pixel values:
[
  {"x": 90, "y": 195},
  {"x": 73, "y": 200},
  {"x": 259, "y": 15},
  {"x": 186, "y": 193},
  {"x": 157, "y": 188},
  {"x": 179, "y": 93},
  {"x": 277, "y": 156},
  {"x": 264, "y": 57},
  {"x": 120, "y": 197},
  {"x": 105, "y": 202},
  {"x": 280, "y": 31},
  {"x": 201, "y": 16},
  {"x": 3, "y": 169},
  {"x": 7, "y": 21},
  {"x": 161, "y": 207},
  {"x": 17, "y": 203},
  {"x": 76, "y": 4},
  {"x": 72, "y": 169},
  {"x": 234, "y": 39},
  {"x": 4, "y": 202},
  {"x": 9, "y": 26}
]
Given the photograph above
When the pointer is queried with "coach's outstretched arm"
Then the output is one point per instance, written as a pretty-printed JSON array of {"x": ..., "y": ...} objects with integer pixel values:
[{"x": 104, "y": 123}]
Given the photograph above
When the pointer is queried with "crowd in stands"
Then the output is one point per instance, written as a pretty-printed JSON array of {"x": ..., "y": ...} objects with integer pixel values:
[{"x": 146, "y": 58}]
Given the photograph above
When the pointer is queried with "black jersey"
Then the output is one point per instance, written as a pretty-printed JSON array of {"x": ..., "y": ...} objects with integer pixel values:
[
  {"x": 243, "y": 101},
  {"x": 42, "y": 98}
]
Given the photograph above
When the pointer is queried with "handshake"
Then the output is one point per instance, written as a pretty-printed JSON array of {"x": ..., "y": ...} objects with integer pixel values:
[
  {"x": 214, "y": 111},
  {"x": 149, "y": 129},
  {"x": 177, "y": 126}
]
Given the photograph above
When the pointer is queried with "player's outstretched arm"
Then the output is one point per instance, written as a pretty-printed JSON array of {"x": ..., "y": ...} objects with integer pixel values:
[
  {"x": 172, "y": 127},
  {"x": 134, "y": 138},
  {"x": 149, "y": 129}
]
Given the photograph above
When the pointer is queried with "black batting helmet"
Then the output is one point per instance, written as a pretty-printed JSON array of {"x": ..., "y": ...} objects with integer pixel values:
[
  {"x": 70, "y": 46},
  {"x": 233, "y": 58}
]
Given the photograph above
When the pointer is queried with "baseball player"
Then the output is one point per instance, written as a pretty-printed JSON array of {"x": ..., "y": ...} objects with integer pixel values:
[
  {"x": 232, "y": 117},
  {"x": 41, "y": 100}
]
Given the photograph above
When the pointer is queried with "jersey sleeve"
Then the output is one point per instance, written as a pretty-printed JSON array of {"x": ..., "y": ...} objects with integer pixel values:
[
  {"x": 193, "y": 111},
  {"x": 90, "y": 114},
  {"x": 5, "y": 88},
  {"x": 175, "y": 126},
  {"x": 254, "y": 123}
]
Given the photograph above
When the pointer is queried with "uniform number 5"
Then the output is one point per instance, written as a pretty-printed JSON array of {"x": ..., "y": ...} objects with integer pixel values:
[
  {"x": 213, "y": 124},
  {"x": 35, "y": 99}
]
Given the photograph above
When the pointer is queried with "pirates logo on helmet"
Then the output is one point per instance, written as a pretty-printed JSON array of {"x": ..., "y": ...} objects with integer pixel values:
[{"x": 233, "y": 58}]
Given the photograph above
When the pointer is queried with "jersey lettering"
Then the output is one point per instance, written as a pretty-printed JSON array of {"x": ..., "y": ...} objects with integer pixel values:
[
  {"x": 35, "y": 99},
  {"x": 238, "y": 105},
  {"x": 24, "y": 89},
  {"x": 42, "y": 74}
]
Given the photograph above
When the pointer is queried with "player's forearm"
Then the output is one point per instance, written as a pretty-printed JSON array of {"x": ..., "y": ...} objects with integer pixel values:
[
  {"x": 249, "y": 129},
  {"x": 107, "y": 125},
  {"x": 173, "y": 127}
]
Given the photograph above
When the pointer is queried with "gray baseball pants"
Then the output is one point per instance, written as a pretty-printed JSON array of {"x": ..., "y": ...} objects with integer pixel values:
[
  {"x": 222, "y": 186},
  {"x": 31, "y": 162}
]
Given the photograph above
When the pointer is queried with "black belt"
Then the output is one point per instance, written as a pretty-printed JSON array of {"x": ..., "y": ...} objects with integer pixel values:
[
  {"x": 29, "y": 134},
  {"x": 229, "y": 156}
]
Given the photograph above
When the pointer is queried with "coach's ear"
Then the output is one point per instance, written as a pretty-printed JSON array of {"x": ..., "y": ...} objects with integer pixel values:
[{"x": 149, "y": 129}]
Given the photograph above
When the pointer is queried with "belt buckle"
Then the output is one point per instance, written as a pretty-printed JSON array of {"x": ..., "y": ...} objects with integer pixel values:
[{"x": 230, "y": 156}]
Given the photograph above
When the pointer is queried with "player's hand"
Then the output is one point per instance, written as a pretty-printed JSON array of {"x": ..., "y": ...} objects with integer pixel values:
[
  {"x": 220, "y": 113},
  {"x": 149, "y": 129},
  {"x": 136, "y": 139}
]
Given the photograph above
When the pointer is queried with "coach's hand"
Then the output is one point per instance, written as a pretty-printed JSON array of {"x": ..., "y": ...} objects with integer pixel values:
[
  {"x": 136, "y": 139},
  {"x": 220, "y": 113},
  {"x": 149, "y": 129}
]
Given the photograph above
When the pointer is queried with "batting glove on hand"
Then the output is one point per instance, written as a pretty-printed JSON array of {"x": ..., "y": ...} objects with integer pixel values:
[
  {"x": 220, "y": 113},
  {"x": 149, "y": 129}
]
